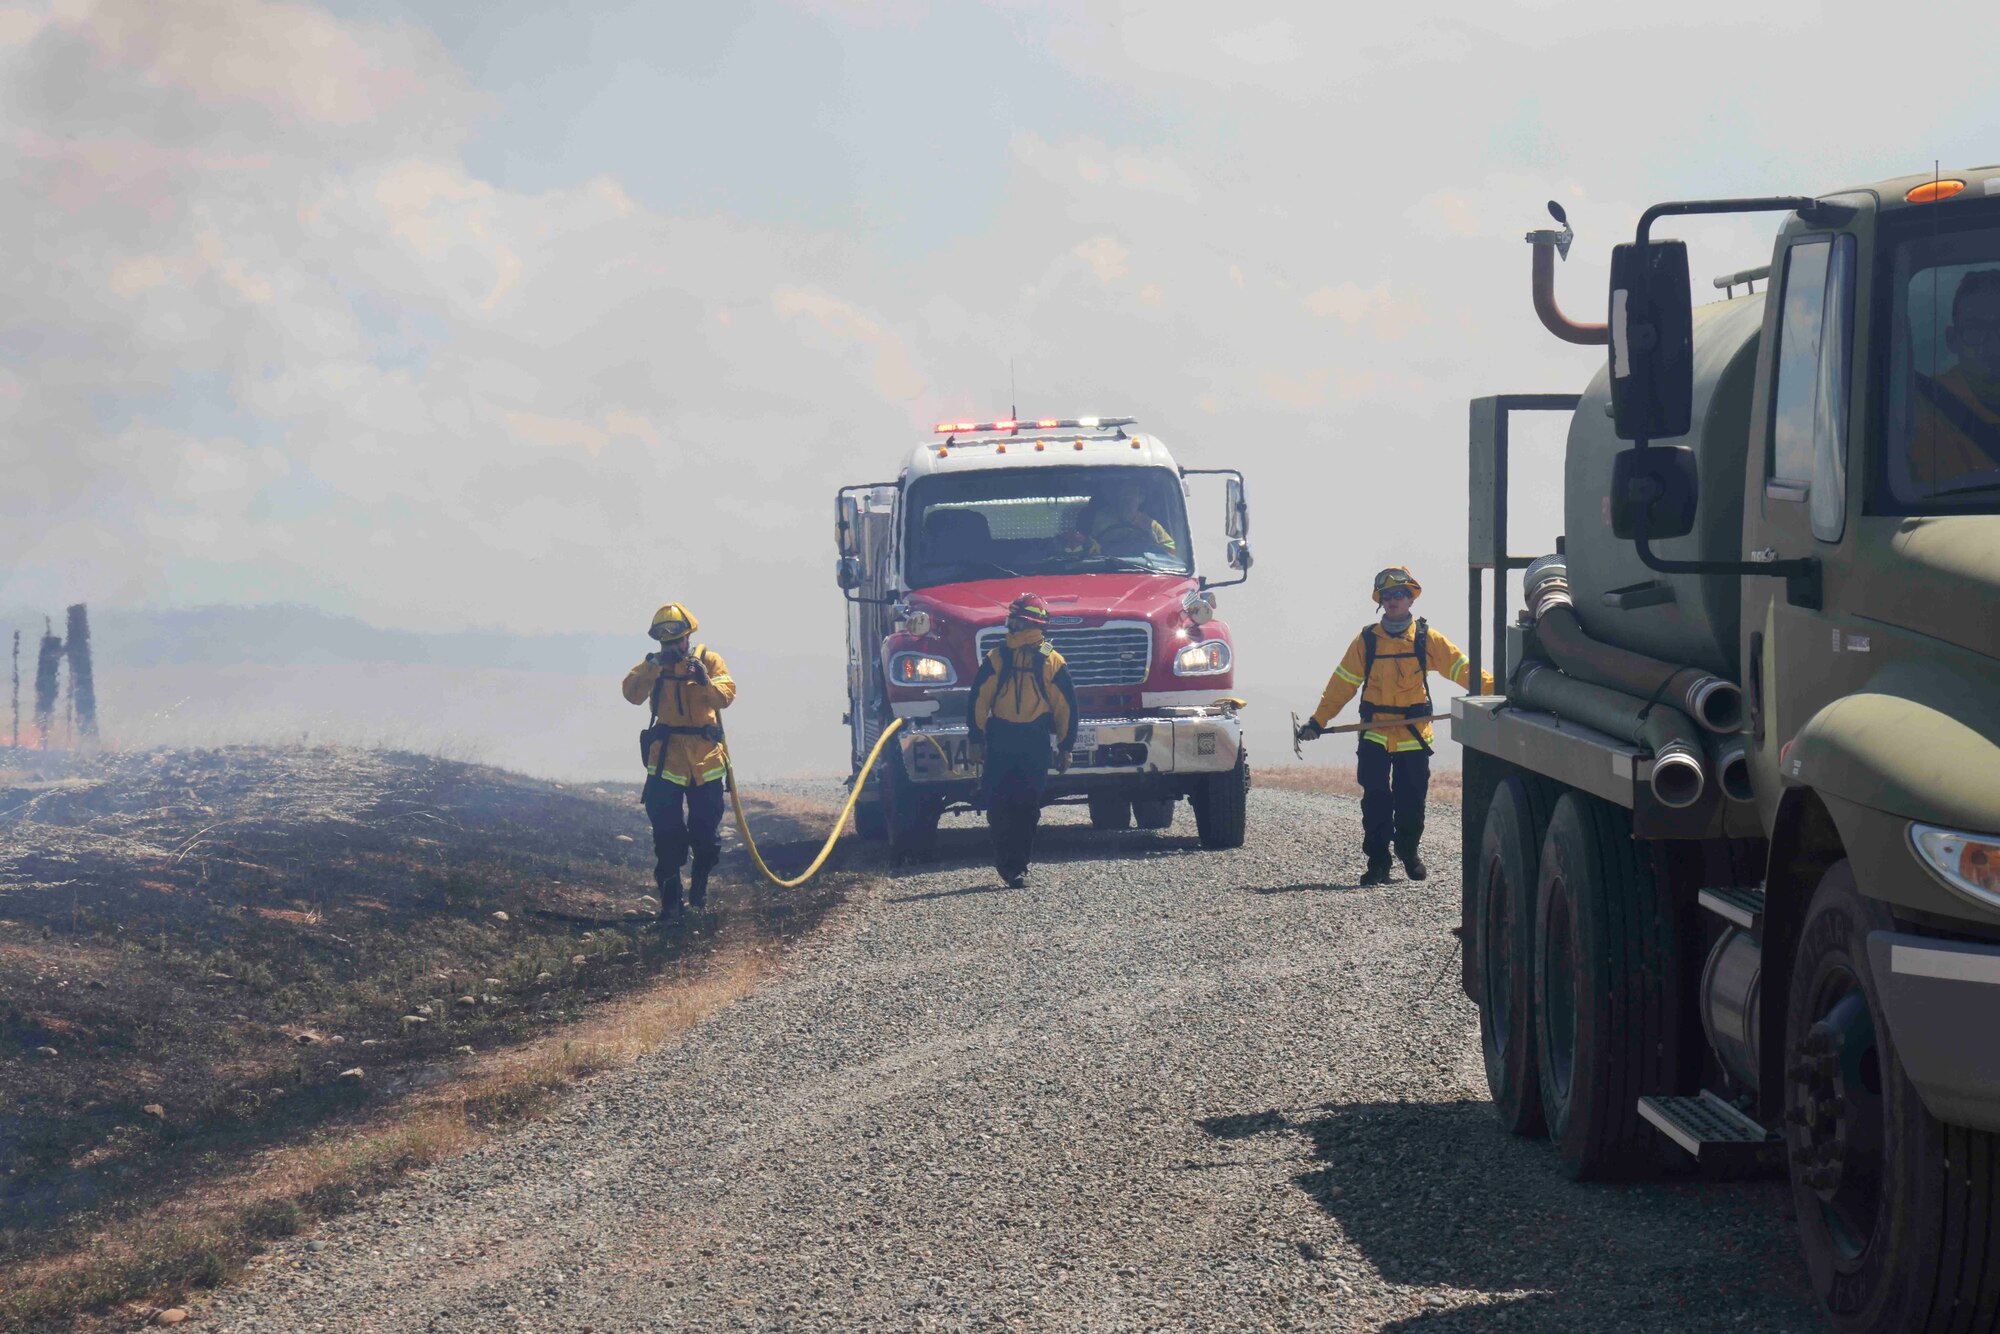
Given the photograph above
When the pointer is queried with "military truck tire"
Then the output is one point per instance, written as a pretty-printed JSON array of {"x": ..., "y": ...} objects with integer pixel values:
[
  {"x": 1153, "y": 814},
  {"x": 1901, "y": 1231},
  {"x": 1608, "y": 984},
  {"x": 1110, "y": 813},
  {"x": 911, "y": 816},
  {"x": 1222, "y": 807},
  {"x": 1502, "y": 942}
]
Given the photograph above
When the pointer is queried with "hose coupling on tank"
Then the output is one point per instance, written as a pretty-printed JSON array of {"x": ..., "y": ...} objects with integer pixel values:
[
  {"x": 1678, "y": 776},
  {"x": 1546, "y": 584}
]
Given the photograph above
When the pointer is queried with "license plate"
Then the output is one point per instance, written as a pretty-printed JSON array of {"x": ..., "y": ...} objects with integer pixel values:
[{"x": 1086, "y": 739}]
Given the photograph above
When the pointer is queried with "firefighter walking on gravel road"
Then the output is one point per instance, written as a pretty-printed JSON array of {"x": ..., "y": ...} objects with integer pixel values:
[
  {"x": 686, "y": 688},
  {"x": 1022, "y": 701},
  {"x": 1389, "y": 665}
]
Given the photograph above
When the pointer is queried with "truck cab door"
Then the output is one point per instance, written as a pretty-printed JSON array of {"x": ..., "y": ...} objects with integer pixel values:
[{"x": 1804, "y": 434}]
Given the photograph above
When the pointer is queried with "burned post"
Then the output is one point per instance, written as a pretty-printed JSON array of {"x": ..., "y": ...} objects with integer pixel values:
[
  {"x": 47, "y": 664},
  {"x": 82, "y": 687}
]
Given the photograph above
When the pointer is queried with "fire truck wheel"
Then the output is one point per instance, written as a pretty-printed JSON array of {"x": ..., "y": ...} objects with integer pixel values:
[
  {"x": 1503, "y": 946},
  {"x": 1896, "y": 1208},
  {"x": 911, "y": 817},
  {"x": 1608, "y": 998},
  {"x": 1110, "y": 813},
  {"x": 871, "y": 819},
  {"x": 1153, "y": 814},
  {"x": 1222, "y": 807}
]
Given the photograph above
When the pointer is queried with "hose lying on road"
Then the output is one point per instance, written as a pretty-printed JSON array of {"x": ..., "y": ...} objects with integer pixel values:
[
  {"x": 749, "y": 842},
  {"x": 1678, "y": 773},
  {"x": 1711, "y": 701}
]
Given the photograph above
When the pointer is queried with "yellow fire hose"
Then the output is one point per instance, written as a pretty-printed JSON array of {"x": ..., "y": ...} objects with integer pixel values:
[{"x": 743, "y": 825}]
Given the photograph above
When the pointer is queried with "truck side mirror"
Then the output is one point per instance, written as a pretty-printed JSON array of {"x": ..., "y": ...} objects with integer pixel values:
[
  {"x": 847, "y": 527},
  {"x": 1239, "y": 554},
  {"x": 847, "y": 573},
  {"x": 1236, "y": 522},
  {"x": 1652, "y": 341},
  {"x": 1660, "y": 481}
]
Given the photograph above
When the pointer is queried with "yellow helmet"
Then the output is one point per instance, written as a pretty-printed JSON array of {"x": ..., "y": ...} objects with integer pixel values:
[
  {"x": 673, "y": 621},
  {"x": 1397, "y": 576}
]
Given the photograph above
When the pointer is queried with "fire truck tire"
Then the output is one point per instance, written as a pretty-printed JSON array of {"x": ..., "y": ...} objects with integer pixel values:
[
  {"x": 1110, "y": 813},
  {"x": 911, "y": 817},
  {"x": 1222, "y": 807},
  {"x": 1153, "y": 814},
  {"x": 1608, "y": 991},
  {"x": 1897, "y": 1209},
  {"x": 871, "y": 820},
  {"x": 1503, "y": 937}
]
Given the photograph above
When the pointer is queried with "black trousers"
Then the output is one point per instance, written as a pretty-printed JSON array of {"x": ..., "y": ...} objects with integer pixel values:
[
  {"x": 683, "y": 818},
  {"x": 1393, "y": 790},
  {"x": 1016, "y": 775}
]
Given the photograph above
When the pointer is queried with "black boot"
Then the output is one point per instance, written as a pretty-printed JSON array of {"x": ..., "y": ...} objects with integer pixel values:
[
  {"x": 1377, "y": 872},
  {"x": 668, "y": 884},
  {"x": 1413, "y": 865},
  {"x": 698, "y": 880}
]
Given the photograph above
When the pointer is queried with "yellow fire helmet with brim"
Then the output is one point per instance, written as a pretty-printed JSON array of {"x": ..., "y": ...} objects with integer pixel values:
[
  {"x": 1397, "y": 576},
  {"x": 673, "y": 621}
]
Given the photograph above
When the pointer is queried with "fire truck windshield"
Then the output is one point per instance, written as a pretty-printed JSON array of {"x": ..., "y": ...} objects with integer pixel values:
[
  {"x": 1943, "y": 437},
  {"x": 999, "y": 523}
]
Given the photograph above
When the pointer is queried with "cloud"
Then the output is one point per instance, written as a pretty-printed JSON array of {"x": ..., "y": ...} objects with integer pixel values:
[
  {"x": 894, "y": 376},
  {"x": 1106, "y": 257},
  {"x": 1094, "y": 163},
  {"x": 1388, "y": 318}
]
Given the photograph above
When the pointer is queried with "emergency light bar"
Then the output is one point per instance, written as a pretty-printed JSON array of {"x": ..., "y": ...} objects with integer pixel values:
[{"x": 1042, "y": 424}]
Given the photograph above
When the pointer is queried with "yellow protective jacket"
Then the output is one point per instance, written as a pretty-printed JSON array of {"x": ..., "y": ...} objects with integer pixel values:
[
  {"x": 1955, "y": 433},
  {"x": 684, "y": 759},
  {"x": 1107, "y": 526},
  {"x": 1397, "y": 682},
  {"x": 1022, "y": 682}
]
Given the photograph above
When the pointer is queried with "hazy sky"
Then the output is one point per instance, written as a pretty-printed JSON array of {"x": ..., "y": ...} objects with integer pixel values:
[{"x": 516, "y": 316}]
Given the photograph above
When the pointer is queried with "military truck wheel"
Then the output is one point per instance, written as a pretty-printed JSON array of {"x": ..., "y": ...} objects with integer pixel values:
[
  {"x": 1110, "y": 813},
  {"x": 1153, "y": 814},
  {"x": 1222, "y": 807},
  {"x": 1896, "y": 1208},
  {"x": 1608, "y": 984},
  {"x": 1503, "y": 945},
  {"x": 911, "y": 816}
]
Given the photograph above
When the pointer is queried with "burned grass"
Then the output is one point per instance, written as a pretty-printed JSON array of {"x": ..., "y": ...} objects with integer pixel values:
[{"x": 199, "y": 949}]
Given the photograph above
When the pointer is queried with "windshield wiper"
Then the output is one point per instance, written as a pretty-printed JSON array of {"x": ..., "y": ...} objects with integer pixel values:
[
  {"x": 931, "y": 570},
  {"x": 1973, "y": 490}
]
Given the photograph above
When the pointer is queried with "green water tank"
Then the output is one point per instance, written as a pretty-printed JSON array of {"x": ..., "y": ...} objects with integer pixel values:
[{"x": 1684, "y": 618}]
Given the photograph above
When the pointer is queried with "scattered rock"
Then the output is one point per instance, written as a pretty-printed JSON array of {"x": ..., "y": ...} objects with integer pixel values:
[
  {"x": 492, "y": 982},
  {"x": 155, "y": 1110},
  {"x": 424, "y": 1010},
  {"x": 1308, "y": 1251},
  {"x": 463, "y": 1051},
  {"x": 501, "y": 917},
  {"x": 576, "y": 961},
  {"x": 544, "y": 977},
  {"x": 414, "y": 1021},
  {"x": 306, "y": 1037},
  {"x": 351, "y": 1076},
  {"x": 316, "y": 1246},
  {"x": 336, "y": 1038},
  {"x": 173, "y": 1315},
  {"x": 371, "y": 1042},
  {"x": 624, "y": 838},
  {"x": 468, "y": 1001},
  {"x": 47, "y": 1052}
]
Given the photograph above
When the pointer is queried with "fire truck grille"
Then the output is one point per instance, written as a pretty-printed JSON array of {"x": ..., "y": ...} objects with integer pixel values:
[{"x": 1103, "y": 655}]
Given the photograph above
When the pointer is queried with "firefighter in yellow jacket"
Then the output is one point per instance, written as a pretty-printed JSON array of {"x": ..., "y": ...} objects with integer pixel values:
[
  {"x": 1022, "y": 701},
  {"x": 1389, "y": 665},
  {"x": 686, "y": 688}
]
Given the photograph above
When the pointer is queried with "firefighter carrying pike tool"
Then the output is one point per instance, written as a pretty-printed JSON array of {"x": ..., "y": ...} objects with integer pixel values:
[
  {"x": 686, "y": 688},
  {"x": 1389, "y": 665}
]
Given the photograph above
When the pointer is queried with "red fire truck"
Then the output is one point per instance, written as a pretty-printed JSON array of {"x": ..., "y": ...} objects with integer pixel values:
[{"x": 1091, "y": 514}]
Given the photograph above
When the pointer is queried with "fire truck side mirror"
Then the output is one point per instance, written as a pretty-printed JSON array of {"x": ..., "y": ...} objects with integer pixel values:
[
  {"x": 847, "y": 527},
  {"x": 1239, "y": 554},
  {"x": 1652, "y": 341},
  {"x": 847, "y": 573},
  {"x": 1236, "y": 522}
]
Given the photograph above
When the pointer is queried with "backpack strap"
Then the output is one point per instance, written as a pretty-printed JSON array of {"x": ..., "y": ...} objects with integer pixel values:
[{"x": 1366, "y": 709}]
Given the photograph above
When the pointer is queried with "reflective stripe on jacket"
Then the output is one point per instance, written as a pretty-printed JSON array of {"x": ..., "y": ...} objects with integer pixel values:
[
  {"x": 1397, "y": 682},
  {"x": 687, "y": 760},
  {"x": 1035, "y": 684}
]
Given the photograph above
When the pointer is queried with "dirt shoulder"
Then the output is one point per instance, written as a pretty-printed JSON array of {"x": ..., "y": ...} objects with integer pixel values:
[{"x": 240, "y": 987}]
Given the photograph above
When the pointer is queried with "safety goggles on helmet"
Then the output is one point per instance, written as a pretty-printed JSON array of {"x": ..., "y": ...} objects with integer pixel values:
[
  {"x": 1027, "y": 611},
  {"x": 671, "y": 622},
  {"x": 1396, "y": 579}
]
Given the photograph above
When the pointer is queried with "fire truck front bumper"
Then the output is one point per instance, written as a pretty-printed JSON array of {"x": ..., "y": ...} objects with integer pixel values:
[{"x": 1180, "y": 743}]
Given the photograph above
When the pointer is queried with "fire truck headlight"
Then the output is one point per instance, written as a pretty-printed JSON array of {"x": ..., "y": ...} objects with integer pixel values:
[
  {"x": 1207, "y": 658},
  {"x": 1969, "y": 863},
  {"x": 921, "y": 669}
]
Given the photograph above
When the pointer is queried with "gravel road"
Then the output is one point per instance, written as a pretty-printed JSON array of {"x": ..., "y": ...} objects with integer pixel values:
[{"x": 1158, "y": 1088}]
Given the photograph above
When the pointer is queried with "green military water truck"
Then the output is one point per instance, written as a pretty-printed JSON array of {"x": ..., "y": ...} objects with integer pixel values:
[{"x": 1732, "y": 832}]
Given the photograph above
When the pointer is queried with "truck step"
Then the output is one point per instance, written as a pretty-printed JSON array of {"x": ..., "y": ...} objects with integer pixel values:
[
  {"x": 1711, "y": 1130},
  {"x": 1741, "y": 905}
]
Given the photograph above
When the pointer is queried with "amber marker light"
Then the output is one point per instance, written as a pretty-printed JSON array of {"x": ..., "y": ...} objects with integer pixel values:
[
  {"x": 1932, "y": 191},
  {"x": 1079, "y": 444}
]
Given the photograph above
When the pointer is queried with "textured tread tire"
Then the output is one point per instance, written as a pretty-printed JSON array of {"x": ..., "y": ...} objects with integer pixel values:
[
  {"x": 1110, "y": 812},
  {"x": 871, "y": 817},
  {"x": 1517, "y": 819},
  {"x": 1932, "y": 1262},
  {"x": 1222, "y": 808},
  {"x": 1153, "y": 814},
  {"x": 1608, "y": 983},
  {"x": 911, "y": 816}
]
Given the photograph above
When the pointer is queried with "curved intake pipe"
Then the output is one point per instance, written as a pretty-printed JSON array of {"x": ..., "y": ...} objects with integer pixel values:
[
  {"x": 1679, "y": 776},
  {"x": 1729, "y": 762},
  {"x": 1711, "y": 701},
  {"x": 1544, "y": 287}
]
